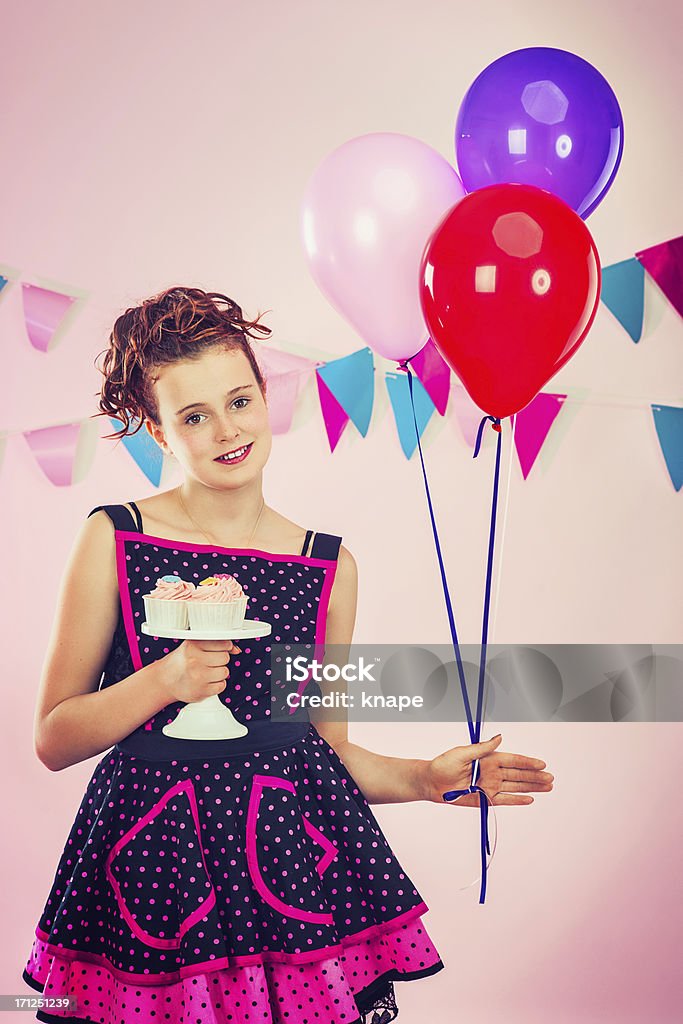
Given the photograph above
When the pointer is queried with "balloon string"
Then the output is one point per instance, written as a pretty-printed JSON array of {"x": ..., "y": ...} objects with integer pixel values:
[
  {"x": 489, "y": 564},
  {"x": 483, "y": 806},
  {"x": 449, "y": 607},
  {"x": 475, "y": 732}
]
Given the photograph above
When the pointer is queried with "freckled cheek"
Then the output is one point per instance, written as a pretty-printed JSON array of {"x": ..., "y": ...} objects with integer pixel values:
[
  {"x": 256, "y": 424},
  {"x": 264, "y": 423},
  {"x": 196, "y": 443}
]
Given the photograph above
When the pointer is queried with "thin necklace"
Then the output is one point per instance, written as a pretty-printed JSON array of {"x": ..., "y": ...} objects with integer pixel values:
[{"x": 212, "y": 540}]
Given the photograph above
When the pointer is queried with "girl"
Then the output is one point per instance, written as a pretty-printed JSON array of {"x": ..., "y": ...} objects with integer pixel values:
[{"x": 241, "y": 880}]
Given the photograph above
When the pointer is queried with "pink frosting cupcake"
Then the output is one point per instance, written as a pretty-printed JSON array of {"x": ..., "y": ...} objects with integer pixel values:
[
  {"x": 166, "y": 605},
  {"x": 218, "y": 602}
]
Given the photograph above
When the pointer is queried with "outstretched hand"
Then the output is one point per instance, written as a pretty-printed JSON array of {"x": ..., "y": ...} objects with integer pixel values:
[{"x": 505, "y": 778}]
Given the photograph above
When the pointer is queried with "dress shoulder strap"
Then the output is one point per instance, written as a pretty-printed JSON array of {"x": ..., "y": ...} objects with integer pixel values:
[
  {"x": 121, "y": 517},
  {"x": 326, "y": 545}
]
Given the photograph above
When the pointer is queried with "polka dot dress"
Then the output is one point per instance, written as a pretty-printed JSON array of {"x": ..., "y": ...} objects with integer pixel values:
[{"x": 250, "y": 886}]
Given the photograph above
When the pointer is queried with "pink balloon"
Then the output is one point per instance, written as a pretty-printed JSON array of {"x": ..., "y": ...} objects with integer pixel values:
[{"x": 368, "y": 211}]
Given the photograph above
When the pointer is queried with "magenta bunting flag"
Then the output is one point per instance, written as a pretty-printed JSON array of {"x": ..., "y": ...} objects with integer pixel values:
[
  {"x": 434, "y": 373},
  {"x": 285, "y": 375},
  {"x": 467, "y": 413},
  {"x": 44, "y": 310},
  {"x": 54, "y": 449},
  {"x": 532, "y": 426},
  {"x": 664, "y": 264},
  {"x": 333, "y": 414}
]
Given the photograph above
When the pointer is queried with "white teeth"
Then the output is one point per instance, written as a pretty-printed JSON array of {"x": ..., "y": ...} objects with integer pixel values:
[{"x": 233, "y": 455}]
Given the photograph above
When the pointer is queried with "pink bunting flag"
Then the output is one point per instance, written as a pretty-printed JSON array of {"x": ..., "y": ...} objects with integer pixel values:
[
  {"x": 434, "y": 373},
  {"x": 467, "y": 413},
  {"x": 55, "y": 451},
  {"x": 282, "y": 394},
  {"x": 274, "y": 361},
  {"x": 334, "y": 417},
  {"x": 664, "y": 264},
  {"x": 44, "y": 310},
  {"x": 285, "y": 375},
  {"x": 532, "y": 426}
]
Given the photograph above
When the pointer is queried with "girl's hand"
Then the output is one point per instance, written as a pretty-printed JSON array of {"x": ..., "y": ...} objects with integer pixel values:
[
  {"x": 505, "y": 778},
  {"x": 198, "y": 668}
]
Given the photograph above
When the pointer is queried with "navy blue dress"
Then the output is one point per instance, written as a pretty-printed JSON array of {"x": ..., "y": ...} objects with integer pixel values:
[{"x": 240, "y": 881}]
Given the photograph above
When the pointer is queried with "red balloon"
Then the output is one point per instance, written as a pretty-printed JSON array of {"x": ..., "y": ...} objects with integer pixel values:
[{"x": 509, "y": 287}]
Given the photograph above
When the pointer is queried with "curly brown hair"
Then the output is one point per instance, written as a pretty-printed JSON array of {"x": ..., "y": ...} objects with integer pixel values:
[{"x": 178, "y": 323}]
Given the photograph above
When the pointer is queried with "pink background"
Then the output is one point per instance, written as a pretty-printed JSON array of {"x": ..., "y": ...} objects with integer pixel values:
[{"x": 154, "y": 144}]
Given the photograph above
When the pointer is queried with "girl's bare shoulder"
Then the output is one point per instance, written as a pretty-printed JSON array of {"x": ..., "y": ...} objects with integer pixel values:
[{"x": 163, "y": 517}]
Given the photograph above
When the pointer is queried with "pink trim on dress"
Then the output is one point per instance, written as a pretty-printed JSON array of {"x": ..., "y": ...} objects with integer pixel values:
[
  {"x": 164, "y": 542},
  {"x": 374, "y": 932},
  {"x": 205, "y": 905},
  {"x": 121, "y": 536},
  {"x": 122, "y": 576},
  {"x": 259, "y": 782},
  {"x": 320, "y": 626}
]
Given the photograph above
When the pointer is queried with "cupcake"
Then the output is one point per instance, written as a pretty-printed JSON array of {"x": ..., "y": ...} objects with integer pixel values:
[
  {"x": 166, "y": 605},
  {"x": 218, "y": 602}
]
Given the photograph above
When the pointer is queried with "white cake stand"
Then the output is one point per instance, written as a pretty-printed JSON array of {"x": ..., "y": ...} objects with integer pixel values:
[{"x": 209, "y": 718}]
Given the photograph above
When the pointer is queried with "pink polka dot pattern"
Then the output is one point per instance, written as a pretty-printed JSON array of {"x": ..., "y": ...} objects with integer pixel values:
[
  {"x": 256, "y": 887},
  {"x": 331, "y": 990},
  {"x": 291, "y": 594},
  {"x": 188, "y": 880}
]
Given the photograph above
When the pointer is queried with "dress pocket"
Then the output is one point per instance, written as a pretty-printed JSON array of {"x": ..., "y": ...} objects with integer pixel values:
[
  {"x": 158, "y": 872},
  {"x": 284, "y": 868}
]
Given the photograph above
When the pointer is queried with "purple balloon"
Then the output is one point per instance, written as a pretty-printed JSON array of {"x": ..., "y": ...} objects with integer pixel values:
[{"x": 545, "y": 117}]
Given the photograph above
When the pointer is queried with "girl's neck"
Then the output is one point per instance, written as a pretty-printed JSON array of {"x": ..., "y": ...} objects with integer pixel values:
[{"x": 219, "y": 512}]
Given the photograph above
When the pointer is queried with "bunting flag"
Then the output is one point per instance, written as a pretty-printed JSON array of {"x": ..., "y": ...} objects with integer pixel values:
[
  {"x": 399, "y": 394},
  {"x": 44, "y": 310},
  {"x": 468, "y": 415},
  {"x": 435, "y": 374},
  {"x": 346, "y": 385},
  {"x": 144, "y": 450},
  {"x": 351, "y": 380},
  {"x": 664, "y": 264},
  {"x": 275, "y": 361},
  {"x": 623, "y": 289},
  {"x": 334, "y": 417},
  {"x": 532, "y": 426},
  {"x": 285, "y": 375},
  {"x": 63, "y": 452},
  {"x": 669, "y": 426},
  {"x": 282, "y": 394}
]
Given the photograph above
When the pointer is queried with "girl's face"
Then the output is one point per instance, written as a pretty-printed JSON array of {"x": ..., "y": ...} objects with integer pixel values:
[{"x": 209, "y": 407}]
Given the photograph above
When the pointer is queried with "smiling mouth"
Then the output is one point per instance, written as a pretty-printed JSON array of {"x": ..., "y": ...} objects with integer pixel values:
[{"x": 236, "y": 455}]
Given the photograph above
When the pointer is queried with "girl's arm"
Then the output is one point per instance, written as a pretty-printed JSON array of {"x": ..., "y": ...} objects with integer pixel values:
[
  {"x": 73, "y": 720},
  {"x": 383, "y": 780},
  {"x": 506, "y": 778}
]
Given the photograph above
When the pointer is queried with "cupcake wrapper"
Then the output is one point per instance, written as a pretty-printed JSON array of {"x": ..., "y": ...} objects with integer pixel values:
[
  {"x": 162, "y": 614},
  {"x": 206, "y": 615}
]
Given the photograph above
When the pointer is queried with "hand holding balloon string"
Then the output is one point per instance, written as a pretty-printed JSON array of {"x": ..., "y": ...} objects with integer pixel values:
[{"x": 506, "y": 778}]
